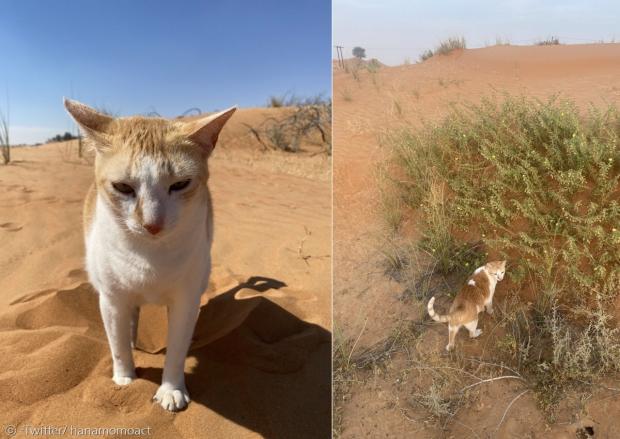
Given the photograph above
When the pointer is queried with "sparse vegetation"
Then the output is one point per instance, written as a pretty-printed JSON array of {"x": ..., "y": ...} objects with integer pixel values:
[
  {"x": 373, "y": 65},
  {"x": 349, "y": 360},
  {"x": 342, "y": 377},
  {"x": 292, "y": 100},
  {"x": 398, "y": 108},
  {"x": 445, "y": 47},
  {"x": 427, "y": 54},
  {"x": 5, "y": 139},
  {"x": 449, "y": 45},
  {"x": 551, "y": 41},
  {"x": 535, "y": 182},
  {"x": 307, "y": 121}
]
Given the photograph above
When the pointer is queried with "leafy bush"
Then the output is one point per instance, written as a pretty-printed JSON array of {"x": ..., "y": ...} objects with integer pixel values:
[{"x": 537, "y": 183}]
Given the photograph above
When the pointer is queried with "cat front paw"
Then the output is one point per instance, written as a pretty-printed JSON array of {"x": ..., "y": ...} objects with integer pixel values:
[
  {"x": 171, "y": 398},
  {"x": 477, "y": 333},
  {"x": 123, "y": 380}
]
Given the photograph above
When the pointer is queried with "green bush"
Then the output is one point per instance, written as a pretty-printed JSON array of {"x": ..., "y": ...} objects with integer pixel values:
[{"x": 537, "y": 183}]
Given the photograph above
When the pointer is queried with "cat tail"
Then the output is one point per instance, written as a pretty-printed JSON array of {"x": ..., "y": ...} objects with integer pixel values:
[{"x": 433, "y": 314}]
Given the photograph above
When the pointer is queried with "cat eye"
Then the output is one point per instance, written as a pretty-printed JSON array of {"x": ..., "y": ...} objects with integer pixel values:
[
  {"x": 179, "y": 185},
  {"x": 123, "y": 188}
]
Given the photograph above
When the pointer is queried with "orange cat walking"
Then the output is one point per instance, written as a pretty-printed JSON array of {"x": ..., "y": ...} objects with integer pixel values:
[{"x": 475, "y": 296}]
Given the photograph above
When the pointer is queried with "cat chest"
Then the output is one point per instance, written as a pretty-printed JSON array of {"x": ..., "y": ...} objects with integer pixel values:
[{"x": 153, "y": 278}]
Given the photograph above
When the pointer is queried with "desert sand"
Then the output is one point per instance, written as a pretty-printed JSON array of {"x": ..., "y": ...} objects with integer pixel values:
[
  {"x": 367, "y": 305},
  {"x": 259, "y": 365}
]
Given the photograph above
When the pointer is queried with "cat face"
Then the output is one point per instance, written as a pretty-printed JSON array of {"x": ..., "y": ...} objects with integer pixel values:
[
  {"x": 497, "y": 269},
  {"x": 152, "y": 195},
  {"x": 151, "y": 172}
]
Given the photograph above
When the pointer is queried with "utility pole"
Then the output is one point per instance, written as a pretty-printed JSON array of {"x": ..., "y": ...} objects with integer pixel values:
[{"x": 340, "y": 57}]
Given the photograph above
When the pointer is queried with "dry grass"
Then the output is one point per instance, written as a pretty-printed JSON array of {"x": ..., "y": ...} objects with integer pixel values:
[
  {"x": 5, "y": 144},
  {"x": 445, "y": 47},
  {"x": 303, "y": 125},
  {"x": 551, "y": 41}
]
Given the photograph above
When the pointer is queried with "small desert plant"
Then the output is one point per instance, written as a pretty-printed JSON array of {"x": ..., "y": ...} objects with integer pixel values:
[
  {"x": 292, "y": 100},
  {"x": 390, "y": 207},
  {"x": 304, "y": 124},
  {"x": 449, "y": 45},
  {"x": 276, "y": 102},
  {"x": 398, "y": 108},
  {"x": 445, "y": 47},
  {"x": 373, "y": 65},
  {"x": 426, "y": 55},
  {"x": 551, "y": 41},
  {"x": 440, "y": 402},
  {"x": 342, "y": 376},
  {"x": 4, "y": 138}
]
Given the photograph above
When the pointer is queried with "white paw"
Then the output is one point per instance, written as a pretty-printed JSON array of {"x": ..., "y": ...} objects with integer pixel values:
[
  {"x": 477, "y": 332},
  {"x": 449, "y": 347},
  {"x": 123, "y": 380},
  {"x": 170, "y": 398}
]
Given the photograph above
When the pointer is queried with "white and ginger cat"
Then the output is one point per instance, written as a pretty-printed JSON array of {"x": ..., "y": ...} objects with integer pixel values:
[
  {"x": 148, "y": 226},
  {"x": 475, "y": 296}
]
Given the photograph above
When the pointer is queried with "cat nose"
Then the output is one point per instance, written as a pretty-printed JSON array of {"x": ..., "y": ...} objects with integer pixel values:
[{"x": 153, "y": 229}]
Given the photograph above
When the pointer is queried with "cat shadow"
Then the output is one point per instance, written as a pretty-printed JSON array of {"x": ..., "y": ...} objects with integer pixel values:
[{"x": 259, "y": 365}]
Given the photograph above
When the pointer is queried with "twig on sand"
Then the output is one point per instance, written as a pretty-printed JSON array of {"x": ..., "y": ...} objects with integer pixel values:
[
  {"x": 508, "y": 408},
  {"x": 502, "y": 366},
  {"x": 300, "y": 250},
  {"x": 492, "y": 379},
  {"x": 356, "y": 340}
]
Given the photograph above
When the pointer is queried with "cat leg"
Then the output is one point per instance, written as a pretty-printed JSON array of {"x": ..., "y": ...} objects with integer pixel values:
[
  {"x": 452, "y": 331},
  {"x": 489, "y": 306},
  {"x": 182, "y": 314},
  {"x": 471, "y": 327},
  {"x": 135, "y": 315},
  {"x": 116, "y": 316}
]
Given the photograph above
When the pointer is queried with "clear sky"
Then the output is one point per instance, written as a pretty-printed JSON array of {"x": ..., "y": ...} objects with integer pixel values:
[
  {"x": 138, "y": 56},
  {"x": 394, "y": 30}
]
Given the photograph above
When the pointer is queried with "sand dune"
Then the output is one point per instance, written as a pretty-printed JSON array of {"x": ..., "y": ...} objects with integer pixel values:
[
  {"x": 366, "y": 301},
  {"x": 259, "y": 362}
]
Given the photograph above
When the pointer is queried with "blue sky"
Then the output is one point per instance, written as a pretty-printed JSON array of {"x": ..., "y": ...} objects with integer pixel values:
[
  {"x": 394, "y": 30},
  {"x": 137, "y": 56}
]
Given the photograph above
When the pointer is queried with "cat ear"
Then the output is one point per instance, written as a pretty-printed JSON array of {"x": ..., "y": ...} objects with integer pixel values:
[
  {"x": 95, "y": 125},
  {"x": 205, "y": 131}
]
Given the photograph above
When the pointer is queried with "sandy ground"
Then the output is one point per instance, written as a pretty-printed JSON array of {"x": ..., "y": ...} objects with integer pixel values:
[
  {"x": 259, "y": 365},
  {"x": 366, "y": 302}
]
